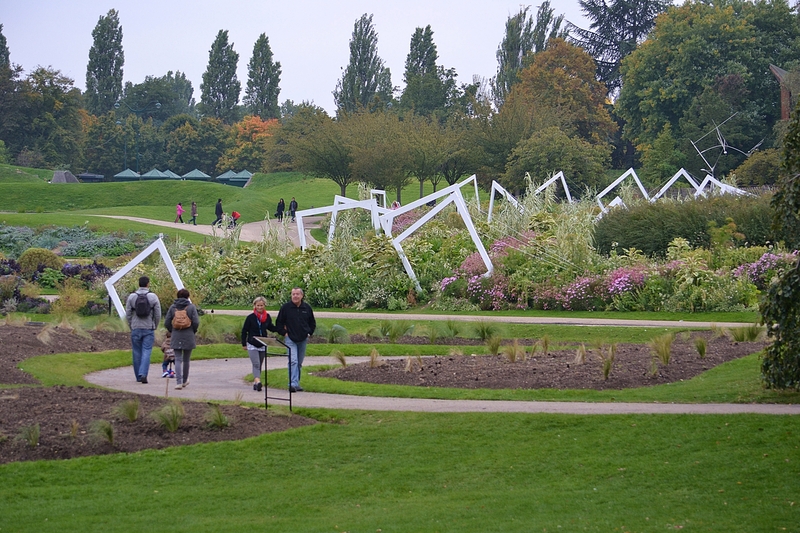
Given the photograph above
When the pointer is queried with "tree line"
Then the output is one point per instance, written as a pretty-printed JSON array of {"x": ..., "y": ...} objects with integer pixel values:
[{"x": 641, "y": 86}]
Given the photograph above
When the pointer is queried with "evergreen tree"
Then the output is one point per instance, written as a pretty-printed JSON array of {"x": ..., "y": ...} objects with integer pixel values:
[
  {"x": 429, "y": 87},
  {"x": 617, "y": 27},
  {"x": 104, "y": 71},
  {"x": 264, "y": 77},
  {"x": 219, "y": 92},
  {"x": 523, "y": 36},
  {"x": 366, "y": 82}
]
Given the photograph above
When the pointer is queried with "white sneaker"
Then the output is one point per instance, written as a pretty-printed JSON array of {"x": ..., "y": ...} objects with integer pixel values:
[
  {"x": 185, "y": 384},
  {"x": 178, "y": 386}
]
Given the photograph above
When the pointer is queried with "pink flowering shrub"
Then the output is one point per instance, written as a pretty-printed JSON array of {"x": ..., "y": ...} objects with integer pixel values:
[{"x": 625, "y": 280}]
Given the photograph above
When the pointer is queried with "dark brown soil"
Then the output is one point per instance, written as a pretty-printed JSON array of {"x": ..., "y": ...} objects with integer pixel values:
[
  {"x": 633, "y": 366},
  {"x": 65, "y": 415}
]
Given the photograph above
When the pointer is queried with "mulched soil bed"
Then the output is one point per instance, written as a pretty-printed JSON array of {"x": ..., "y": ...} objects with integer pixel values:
[
  {"x": 65, "y": 414},
  {"x": 633, "y": 367}
]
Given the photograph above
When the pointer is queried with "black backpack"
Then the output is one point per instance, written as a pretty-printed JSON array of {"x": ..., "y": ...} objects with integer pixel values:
[{"x": 142, "y": 305}]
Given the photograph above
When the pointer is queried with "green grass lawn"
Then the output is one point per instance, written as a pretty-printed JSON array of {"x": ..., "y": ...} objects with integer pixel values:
[
  {"x": 410, "y": 472},
  {"x": 370, "y": 471}
]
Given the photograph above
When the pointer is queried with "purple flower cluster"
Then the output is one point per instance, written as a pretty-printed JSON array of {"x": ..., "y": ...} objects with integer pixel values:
[
  {"x": 625, "y": 279},
  {"x": 760, "y": 272},
  {"x": 87, "y": 273},
  {"x": 473, "y": 265},
  {"x": 490, "y": 293},
  {"x": 500, "y": 247},
  {"x": 446, "y": 281}
]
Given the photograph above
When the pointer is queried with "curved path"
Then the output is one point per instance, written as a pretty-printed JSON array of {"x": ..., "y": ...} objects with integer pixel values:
[
  {"x": 250, "y": 232},
  {"x": 223, "y": 379}
]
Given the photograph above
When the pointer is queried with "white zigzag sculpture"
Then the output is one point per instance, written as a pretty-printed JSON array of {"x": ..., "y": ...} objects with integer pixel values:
[
  {"x": 385, "y": 220},
  {"x": 158, "y": 244}
]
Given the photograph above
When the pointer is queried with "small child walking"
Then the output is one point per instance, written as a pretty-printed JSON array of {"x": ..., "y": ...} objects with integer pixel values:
[{"x": 169, "y": 357}]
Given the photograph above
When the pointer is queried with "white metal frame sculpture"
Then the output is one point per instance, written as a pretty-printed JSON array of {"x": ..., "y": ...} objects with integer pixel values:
[
  {"x": 383, "y": 218},
  {"x": 158, "y": 245},
  {"x": 680, "y": 174},
  {"x": 618, "y": 201},
  {"x": 496, "y": 187},
  {"x": 454, "y": 196},
  {"x": 725, "y": 189}
]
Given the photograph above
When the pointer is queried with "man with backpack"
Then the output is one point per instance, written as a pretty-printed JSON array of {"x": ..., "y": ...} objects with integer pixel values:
[{"x": 143, "y": 311}]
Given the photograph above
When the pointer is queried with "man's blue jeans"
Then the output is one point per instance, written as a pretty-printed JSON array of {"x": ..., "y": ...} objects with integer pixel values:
[
  {"x": 297, "y": 352},
  {"x": 142, "y": 346}
]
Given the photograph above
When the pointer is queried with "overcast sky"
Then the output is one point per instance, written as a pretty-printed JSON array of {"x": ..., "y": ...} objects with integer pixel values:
[{"x": 310, "y": 38}]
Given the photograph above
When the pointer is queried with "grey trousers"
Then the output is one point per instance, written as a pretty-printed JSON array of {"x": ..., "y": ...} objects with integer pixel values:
[
  {"x": 256, "y": 358},
  {"x": 182, "y": 365}
]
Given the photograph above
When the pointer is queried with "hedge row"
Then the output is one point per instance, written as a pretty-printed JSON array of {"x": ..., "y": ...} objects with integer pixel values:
[{"x": 651, "y": 227}]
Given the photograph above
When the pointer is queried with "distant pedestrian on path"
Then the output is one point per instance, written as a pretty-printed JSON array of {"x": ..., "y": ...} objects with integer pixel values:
[
  {"x": 182, "y": 322},
  {"x": 292, "y": 208},
  {"x": 179, "y": 213},
  {"x": 296, "y": 322},
  {"x": 194, "y": 213},
  {"x": 256, "y": 324},
  {"x": 219, "y": 212},
  {"x": 143, "y": 312},
  {"x": 281, "y": 209}
]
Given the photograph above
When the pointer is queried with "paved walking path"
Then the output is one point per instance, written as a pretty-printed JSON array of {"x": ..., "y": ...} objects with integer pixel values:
[
  {"x": 223, "y": 379},
  {"x": 250, "y": 232}
]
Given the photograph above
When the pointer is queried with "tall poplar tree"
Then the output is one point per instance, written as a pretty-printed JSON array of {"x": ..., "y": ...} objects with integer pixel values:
[
  {"x": 429, "y": 87},
  {"x": 523, "y": 36},
  {"x": 220, "y": 89},
  {"x": 366, "y": 82},
  {"x": 104, "y": 71},
  {"x": 263, "y": 80},
  {"x": 5, "y": 56}
]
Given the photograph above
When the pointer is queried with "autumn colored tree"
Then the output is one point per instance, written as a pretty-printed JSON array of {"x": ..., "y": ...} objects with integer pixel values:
[
  {"x": 560, "y": 83},
  {"x": 251, "y": 139}
]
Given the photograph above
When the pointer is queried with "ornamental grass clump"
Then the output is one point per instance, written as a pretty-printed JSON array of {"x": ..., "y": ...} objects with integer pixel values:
[
  {"x": 30, "y": 435},
  {"x": 102, "y": 430},
  {"x": 749, "y": 333},
  {"x": 399, "y": 329},
  {"x": 374, "y": 358},
  {"x": 661, "y": 346},
  {"x": 608, "y": 353},
  {"x": 700, "y": 345},
  {"x": 170, "y": 416},
  {"x": 338, "y": 335},
  {"x": 215, "y": 418},
  {"x": 493, "y": 344},
  {"x": 452, "y": 329},
  {"x": 580, "y": 355},
  {"x": 413, "y": 361},
  {"x": 544, "y": 344},
  {"x": 486, "y": 330},
  {"x": 514, "y": 352},
  {"x": 129, "y": 410},
  {"x": 340, "y": 357}
]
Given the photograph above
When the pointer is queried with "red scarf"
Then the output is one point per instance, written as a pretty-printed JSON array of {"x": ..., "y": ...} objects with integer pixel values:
[{"x": 261, "y": 317}]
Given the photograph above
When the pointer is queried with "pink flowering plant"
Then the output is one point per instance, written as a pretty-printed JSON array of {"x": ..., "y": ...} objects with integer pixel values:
[{"x": 762, "y": 271}]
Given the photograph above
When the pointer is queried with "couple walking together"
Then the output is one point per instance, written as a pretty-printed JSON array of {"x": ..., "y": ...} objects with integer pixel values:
[
  {"x": 143, "y": 312},
  {"x": 295, "y": 322}
]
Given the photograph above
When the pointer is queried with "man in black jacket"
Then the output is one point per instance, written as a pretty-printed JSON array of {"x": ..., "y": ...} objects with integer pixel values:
[
  {"x": 296, "y": 322},
  {"x": 218, "y": 211}
]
